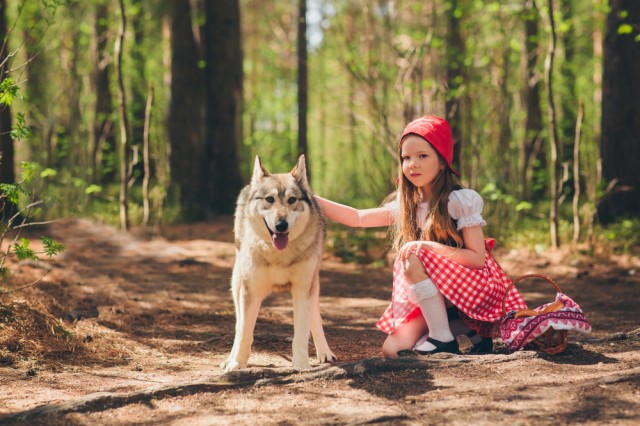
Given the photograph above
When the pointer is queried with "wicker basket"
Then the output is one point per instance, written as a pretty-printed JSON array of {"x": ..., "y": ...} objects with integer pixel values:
[{"x": 519, "y": 328}]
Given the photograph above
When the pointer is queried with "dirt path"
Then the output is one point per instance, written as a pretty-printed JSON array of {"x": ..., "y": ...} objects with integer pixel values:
[{"x": 147, "y": 321}]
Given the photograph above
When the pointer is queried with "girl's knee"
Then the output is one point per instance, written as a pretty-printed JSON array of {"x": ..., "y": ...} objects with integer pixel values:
[{"x": 414, "y": 269}]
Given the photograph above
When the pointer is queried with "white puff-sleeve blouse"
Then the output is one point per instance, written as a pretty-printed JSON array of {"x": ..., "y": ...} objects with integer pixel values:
[{"x": 465, "y": 206}]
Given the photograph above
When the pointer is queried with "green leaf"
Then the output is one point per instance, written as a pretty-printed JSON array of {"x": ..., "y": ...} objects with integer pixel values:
[
  {"x": 20, "y": 130},
  {"x": 92, "y": 189},
  {"x": 12, "y": 191},
  {"x": 23, "y": 251},
  {"x": 29, "y": 170},
  {"x": 523, "y": 205},
  {"x": 625, "y": 29},
  {"x": 48, "y": 172},
  {"x": 51, "y": 248},
  {"x": 8, "y": 90}
]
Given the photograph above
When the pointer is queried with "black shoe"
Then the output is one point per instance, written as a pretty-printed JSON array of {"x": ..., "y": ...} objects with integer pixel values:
[
  {"x": 483, "y": 347},
  {"x": 406, "y": 352},
  {"x": 451, "y": 347}
]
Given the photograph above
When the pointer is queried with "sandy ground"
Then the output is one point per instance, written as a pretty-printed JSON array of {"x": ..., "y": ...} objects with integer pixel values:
[{"x": 130, "y": 329}]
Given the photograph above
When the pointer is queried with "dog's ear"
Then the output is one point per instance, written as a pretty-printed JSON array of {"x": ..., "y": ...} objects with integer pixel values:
[
  {"x": 258, "y": 171},
  {"x": 300, "y": 171}
]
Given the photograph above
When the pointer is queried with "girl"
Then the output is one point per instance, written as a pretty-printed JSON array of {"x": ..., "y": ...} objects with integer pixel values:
[{"x": 443, "y": 258}]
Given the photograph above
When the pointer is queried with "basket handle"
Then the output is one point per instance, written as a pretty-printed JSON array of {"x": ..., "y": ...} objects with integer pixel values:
[{"x": 517, "y": 280}]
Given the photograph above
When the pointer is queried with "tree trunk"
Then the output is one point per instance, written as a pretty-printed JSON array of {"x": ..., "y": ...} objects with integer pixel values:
[
  {"x": 40, "y": 117},
  {"x": 553, "y": 133},
  {"x": 7, "y": 173},
  {"x": 504, "y": 109},
  {"x": 103, "y": 135},
  {"x": 455, "y": 77},
  {"x": 303, "y": 94},
  {"x": 185, "y": 115},
  {"x": 620, "y": 143},
  {"x": 145, "y": 158},
  {"x": 138, "y": 84},
  {"x": 576, "y": 175},
  {"x": 223, "y": 124},
  {"x": 124, "y": 123},
  {"x": 532, "y": 157}
]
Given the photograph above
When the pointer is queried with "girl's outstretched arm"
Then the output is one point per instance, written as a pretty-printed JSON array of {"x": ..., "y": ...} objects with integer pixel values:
[{"x": 350, "y": 216}]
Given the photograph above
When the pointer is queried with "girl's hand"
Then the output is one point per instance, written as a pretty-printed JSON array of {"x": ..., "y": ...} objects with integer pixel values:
[{"x": 415, "y": 246}]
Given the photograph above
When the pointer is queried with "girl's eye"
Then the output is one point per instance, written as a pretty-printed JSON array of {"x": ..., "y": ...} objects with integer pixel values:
[
  {"x": 270, "y": 200},
  {"x": 292, "y": 200},
  {"x": 423, "y": 155}
]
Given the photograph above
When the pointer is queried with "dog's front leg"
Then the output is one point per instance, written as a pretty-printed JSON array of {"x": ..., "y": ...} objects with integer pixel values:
[
  {"x": 247, "y": 308},
  {"x": 323, "y": 352},
  {"x": 301, "y": 327}
]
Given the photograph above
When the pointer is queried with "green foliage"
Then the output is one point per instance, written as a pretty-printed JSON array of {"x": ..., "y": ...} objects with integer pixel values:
[
  {"x": 12, "y": 192},
  {"x": 623, "y": 236},
  {"x": 51, "y": 248},
  {"x": 20, "y": 130},
  {"x": 8, "y": 90},
  {"x": 364, "y": 246},
  {"x": 23, "y": 251}
]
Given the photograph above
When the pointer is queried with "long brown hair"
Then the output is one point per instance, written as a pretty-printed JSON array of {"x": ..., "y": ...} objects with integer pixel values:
[{"x": 440, "y": 227}]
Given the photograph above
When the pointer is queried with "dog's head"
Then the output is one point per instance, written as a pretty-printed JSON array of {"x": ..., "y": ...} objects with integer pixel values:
[{"x": 280, "y": 204}]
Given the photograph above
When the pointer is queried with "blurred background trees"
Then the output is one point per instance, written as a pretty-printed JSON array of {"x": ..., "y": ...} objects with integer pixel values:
[{"x": 235, "y": 78}]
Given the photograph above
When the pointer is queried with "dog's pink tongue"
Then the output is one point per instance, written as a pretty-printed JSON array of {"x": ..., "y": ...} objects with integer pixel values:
[{"x": 280, "y": 240}]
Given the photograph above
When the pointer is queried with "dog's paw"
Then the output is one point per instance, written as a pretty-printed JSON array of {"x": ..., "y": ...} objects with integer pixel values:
[
  {"x": 326, "y": 357},
  {"x": 301, "y": 364},
  {"x": 230, "y": 365}
]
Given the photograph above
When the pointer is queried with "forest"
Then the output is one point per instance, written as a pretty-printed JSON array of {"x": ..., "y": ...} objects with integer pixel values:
[
  {"x": 139, "y": 113},
  {"x": 129, "y": 127}
]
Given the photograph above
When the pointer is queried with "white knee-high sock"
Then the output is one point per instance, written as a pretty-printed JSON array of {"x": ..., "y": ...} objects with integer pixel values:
[{"x": 434, "y": 311}]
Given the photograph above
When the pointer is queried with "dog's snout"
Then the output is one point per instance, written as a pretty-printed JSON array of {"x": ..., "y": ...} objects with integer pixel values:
[{"x": 282, "y": 226}]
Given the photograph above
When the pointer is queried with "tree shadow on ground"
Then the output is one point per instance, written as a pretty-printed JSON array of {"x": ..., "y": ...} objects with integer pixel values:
[
  {"x": 594, "y": 406},
  {"x": 395, "y": 385},
  {"x": 577, "y": 355}
]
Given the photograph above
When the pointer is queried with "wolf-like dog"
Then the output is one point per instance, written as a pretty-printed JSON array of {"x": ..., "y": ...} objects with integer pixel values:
[{"x": 279, "y": 235}]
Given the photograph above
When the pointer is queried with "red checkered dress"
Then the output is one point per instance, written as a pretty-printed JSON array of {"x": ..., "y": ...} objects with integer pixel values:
[{"x": 477, "y": 293}]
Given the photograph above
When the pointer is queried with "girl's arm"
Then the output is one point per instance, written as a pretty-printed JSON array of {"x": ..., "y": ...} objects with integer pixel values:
[
  {"x": 471, "y": 255},
  {"x": 349, "y": 216}
]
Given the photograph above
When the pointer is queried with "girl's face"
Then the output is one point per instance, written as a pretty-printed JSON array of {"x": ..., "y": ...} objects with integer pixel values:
[{"x": 420, "y": 162}]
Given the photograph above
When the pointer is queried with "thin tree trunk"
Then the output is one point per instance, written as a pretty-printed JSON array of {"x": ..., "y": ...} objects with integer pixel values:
[
  {"x": 124, "y": 124},
  {"x": 553, "y": 133},
  {"x": 7, "y": 174},
  {"x": 145, "y": 158},
  {"x": 303, "y": 91},
  {"x": 504, "y": 108},
  {"x": 576, "y": 175}
]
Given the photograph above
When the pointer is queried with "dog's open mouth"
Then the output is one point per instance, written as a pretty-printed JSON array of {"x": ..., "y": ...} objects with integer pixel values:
[{"x": 278, "y": 239}]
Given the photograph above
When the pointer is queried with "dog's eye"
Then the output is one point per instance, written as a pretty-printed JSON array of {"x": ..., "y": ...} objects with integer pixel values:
[
  {"x": 292, "y": 200},
  {"x": 270, "y": 200}
]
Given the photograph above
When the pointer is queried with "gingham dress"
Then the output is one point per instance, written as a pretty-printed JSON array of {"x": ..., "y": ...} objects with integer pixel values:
[{"x": 477, "y": 293}]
